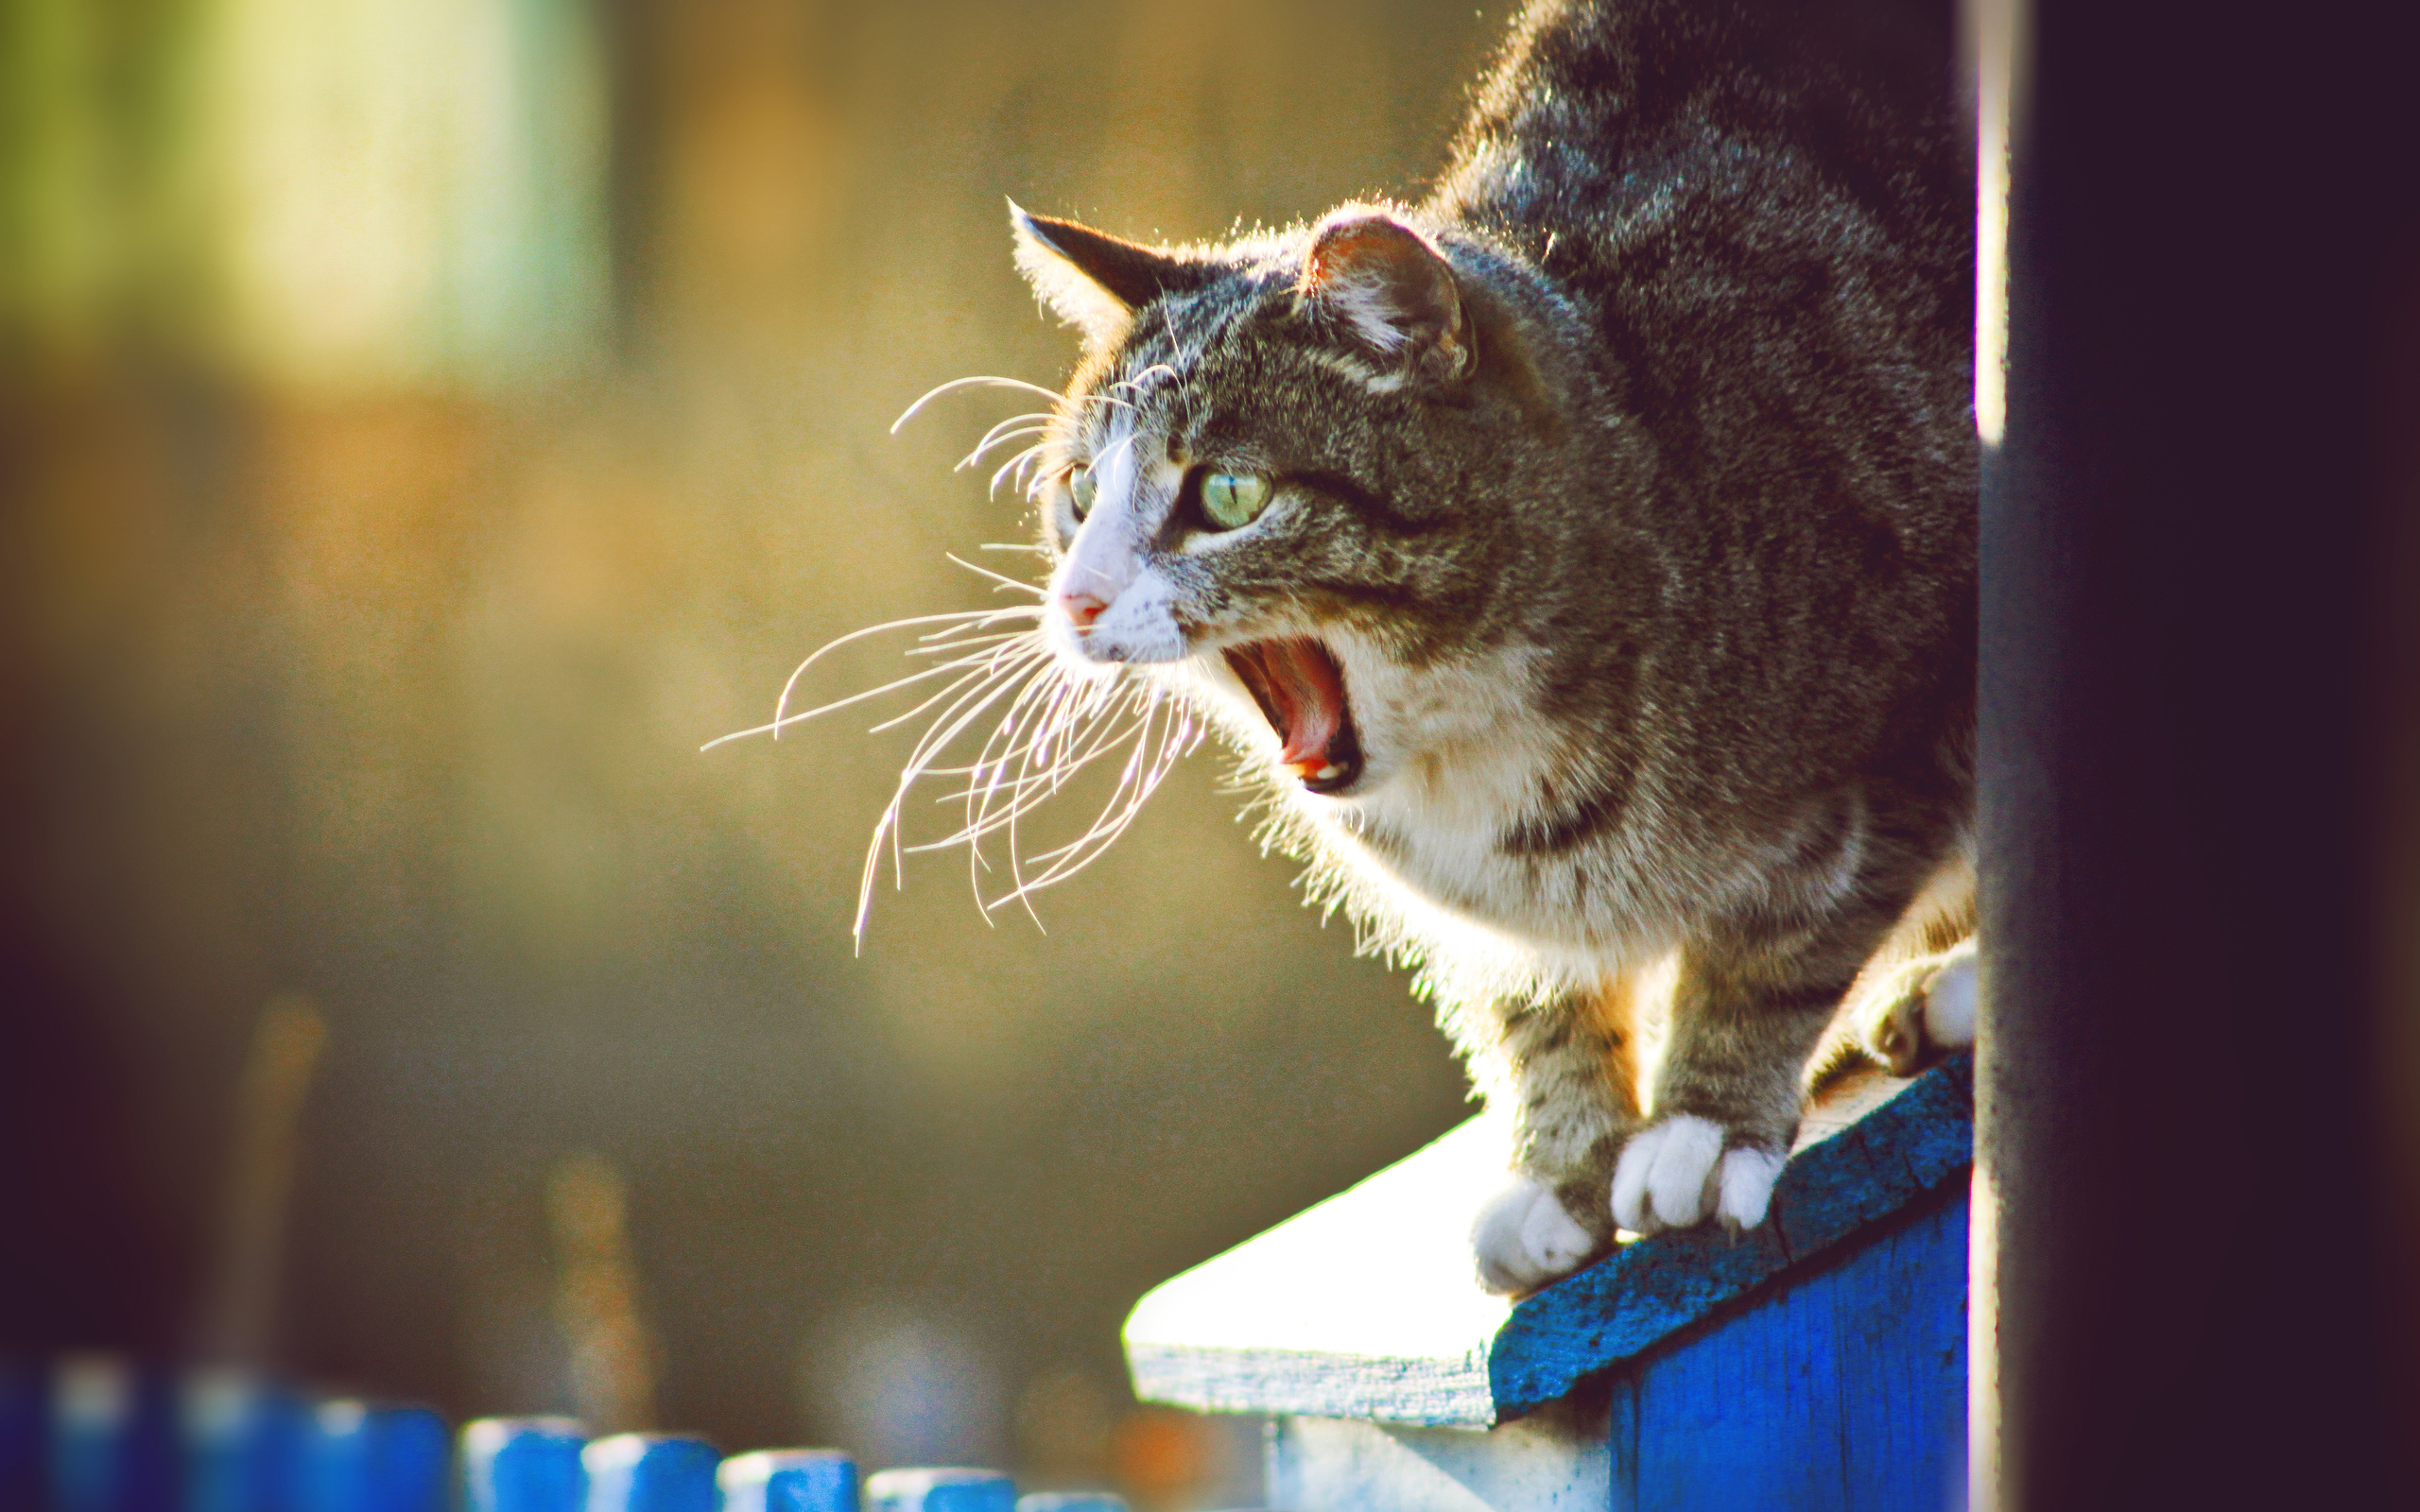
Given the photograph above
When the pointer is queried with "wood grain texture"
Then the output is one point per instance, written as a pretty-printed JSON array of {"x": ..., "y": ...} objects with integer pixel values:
[{"x": 1843, "y": 1393}]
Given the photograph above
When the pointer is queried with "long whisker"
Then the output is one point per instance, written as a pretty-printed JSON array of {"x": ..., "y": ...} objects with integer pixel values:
[
  {"x": 1099, "y": 740},
  {"x": 1003, "y": 427},
  {"x": 976, "y": 455},
  {"x": 1136, "y": 382},
  {"x": 1032, "y": 453},
  {"x": 931, "y": 743},
  {"x": 1178, "y": 735},
  {"x": 990, "y": 667},
  {"x": 942, "y": 669},
  {"x": 967, "y": 643},
  {"x": 1001, "y": 578},
  {"x": 781, "y": 704},
  {"x": 956, "y": 384}
]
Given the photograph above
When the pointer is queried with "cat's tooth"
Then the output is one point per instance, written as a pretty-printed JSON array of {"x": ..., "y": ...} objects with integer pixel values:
[{"x": 1326, "y": 773}]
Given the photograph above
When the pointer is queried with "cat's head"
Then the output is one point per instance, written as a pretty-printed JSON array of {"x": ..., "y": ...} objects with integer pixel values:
[{"x": 1310, "y": 474}]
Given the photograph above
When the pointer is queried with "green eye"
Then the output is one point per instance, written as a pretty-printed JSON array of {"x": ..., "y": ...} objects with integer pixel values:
[
  {"x": 1234, "y": 500},
  {"x": 1081, "y": 485}
]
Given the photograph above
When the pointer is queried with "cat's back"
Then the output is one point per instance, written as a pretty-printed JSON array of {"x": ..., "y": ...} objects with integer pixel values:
[
  {"x": 1765, "y": 212},
  {"x": 1716, "y": 179},
  {"x": 1602, "y": 112}
]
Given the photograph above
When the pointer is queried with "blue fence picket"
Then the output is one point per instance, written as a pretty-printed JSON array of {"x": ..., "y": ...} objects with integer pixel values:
[
  {"x": 651, "y": 1472},
  {"x": 790, "y": 1480},
  {"x": 940, "y": 1491},
  {"x": 523, "y": 1464}
]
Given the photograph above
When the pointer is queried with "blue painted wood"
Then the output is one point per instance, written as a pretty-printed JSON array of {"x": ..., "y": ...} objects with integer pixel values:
[
  {"x": 651, "y": 1472},
  {"x": 940, "y": 1491},
  {"x": 1616, "y": 1310},
  {"x": 1844, "y": 1392},
  {"x": 523, "y": 1464},
  {"x": 365, "y": 1457},
  {"x": 790, "y": 1480}
]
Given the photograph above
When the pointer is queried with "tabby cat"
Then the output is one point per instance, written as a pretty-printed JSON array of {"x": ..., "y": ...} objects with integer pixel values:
[{"x": 1585, "y": 560}]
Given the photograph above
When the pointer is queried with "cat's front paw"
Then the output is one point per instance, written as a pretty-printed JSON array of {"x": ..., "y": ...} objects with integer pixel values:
[
  {"x": 1523, "y": 1239},
  {"x": 1920, "y": 1010},
  {"x": 1677, "y": 1172}
]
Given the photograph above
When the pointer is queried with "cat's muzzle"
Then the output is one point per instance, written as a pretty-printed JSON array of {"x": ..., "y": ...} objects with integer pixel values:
[{"x": 1299, "y": 688}]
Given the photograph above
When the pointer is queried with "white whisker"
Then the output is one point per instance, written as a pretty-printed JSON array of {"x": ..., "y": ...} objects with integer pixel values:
[
  {"x": 1001, "y": 578},
  {"x": 993, "y": 666},
  {"x": 1032, "y": 453},
  {"x": 968, "y": 644},
  {"x": 782, "y": 703},
  {"x": 982, "y": 379},
  {"x": 976, "y": 455}
]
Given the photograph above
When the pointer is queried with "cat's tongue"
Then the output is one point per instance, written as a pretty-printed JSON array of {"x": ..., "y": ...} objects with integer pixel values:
[{"x": 1298, "y": 686}]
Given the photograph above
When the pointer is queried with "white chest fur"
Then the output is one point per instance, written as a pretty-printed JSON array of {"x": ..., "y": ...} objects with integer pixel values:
[{"x": 1456, "y": 759}]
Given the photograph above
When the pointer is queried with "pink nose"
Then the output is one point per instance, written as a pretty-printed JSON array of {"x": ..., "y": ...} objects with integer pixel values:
[{"x": 1081, "y": 607}]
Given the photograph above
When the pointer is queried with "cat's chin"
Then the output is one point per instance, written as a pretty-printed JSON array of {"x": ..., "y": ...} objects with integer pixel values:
[{"x": 1299, "y": 685}]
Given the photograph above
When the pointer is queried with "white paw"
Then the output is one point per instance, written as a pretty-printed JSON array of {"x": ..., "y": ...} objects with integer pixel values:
[
  {"x": 1949, "y": 1005},
  {"x": 1522, "y": 1239},
  {"x": 1673, "y": 1175}
]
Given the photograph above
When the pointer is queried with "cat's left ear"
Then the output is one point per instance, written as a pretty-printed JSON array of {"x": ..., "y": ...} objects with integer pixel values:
[
  {"x": 1395, "y": 291},
  {"x": 1095, "y": 281}
]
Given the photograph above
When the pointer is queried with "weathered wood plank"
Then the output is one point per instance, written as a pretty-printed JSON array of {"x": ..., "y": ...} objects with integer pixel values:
[{"x": 1552, "y": 1461}]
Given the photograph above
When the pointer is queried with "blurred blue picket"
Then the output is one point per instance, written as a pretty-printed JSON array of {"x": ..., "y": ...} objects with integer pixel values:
[
  {"x": 523, "y": 1464},
  {"x": 790, "y": 1480},
  {"x": 245, "y": 1439},
  {"x": 940, "y": 1491},
  {"x": 96, "y": 1433},
  {"x": 370, "y": 1459},
  {"x": 651, "y": 1472},
  {"x": 113, "y": 1437}
]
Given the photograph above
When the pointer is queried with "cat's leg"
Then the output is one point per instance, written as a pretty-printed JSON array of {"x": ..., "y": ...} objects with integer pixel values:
[
  {"x": 1565, "y": 1070},
  {"x": 1726, "y": 1100},
  {"x": 1756, "y": 993}
]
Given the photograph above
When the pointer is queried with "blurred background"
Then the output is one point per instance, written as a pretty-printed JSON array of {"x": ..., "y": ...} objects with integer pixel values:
[{"x": 421, "y": 427}]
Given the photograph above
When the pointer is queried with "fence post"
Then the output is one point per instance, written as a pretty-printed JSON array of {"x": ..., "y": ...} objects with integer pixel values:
[{"x": 2181, "y": 1196}]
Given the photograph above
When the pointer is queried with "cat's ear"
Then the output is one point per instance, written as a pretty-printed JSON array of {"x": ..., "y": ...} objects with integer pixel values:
[
  {"x": 1092, "y": 280},
  {"x": 1391, "y": 288}
]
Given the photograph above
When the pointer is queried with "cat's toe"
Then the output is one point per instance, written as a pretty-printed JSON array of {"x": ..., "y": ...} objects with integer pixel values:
[
  {"x": 1678, "y": 1173},
  {"x": 1667, "y": 1174},
  {"x": 1747, "y": 1186},
  {"x": 1919, "y": 1011},
  {"x": 1523, "y": 1239},
  {"x": 1949, "y": 1005}
]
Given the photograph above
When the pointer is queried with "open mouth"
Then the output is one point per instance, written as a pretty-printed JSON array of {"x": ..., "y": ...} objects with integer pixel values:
[{"x": 1301, "y": 689}]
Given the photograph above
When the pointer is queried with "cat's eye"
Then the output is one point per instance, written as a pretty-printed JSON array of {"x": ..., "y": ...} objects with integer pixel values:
[
  {"x": 1234, "y": 500},
  {"x": 1081, "y": 487}
]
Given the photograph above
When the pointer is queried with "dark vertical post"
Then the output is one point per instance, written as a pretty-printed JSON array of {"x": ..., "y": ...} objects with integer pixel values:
[{"x": 2181, "y": 1133}]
